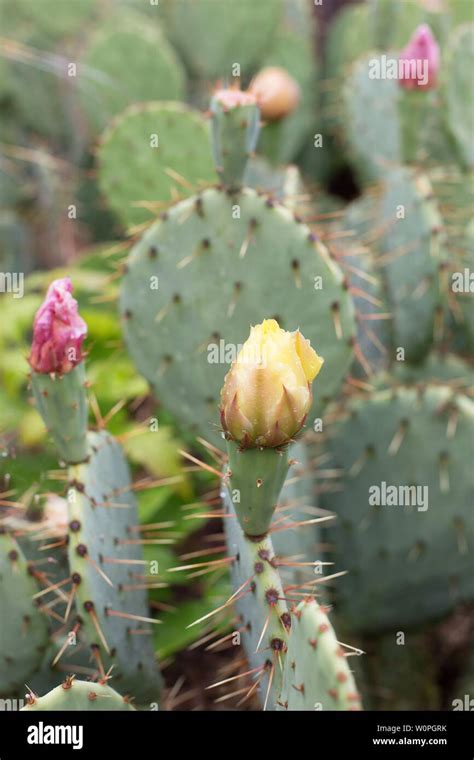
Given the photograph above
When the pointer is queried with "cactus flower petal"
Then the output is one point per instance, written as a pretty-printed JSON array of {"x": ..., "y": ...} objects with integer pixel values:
[
  {"x": 267, "y": 392},
  {"x": 58, "y": 331}
]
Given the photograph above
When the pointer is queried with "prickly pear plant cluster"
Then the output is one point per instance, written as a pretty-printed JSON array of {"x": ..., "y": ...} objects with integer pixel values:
[{"x": 309, "y": 327}]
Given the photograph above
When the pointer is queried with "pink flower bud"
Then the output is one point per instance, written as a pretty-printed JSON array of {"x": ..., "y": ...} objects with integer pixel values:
[
  {"x": 58, "y": 331},
  {"x": 232, "y": 97},
  {"x": 419, "y": 61}
]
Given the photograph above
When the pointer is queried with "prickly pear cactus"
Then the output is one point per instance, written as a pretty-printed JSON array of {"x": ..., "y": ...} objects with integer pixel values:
[
  {"x": 412, "y": 250},
  {"x": 138, "y": 150},
  {"x": 260, "y": 604},
  {"x": 153, "y": 71},
  {"x": 61, "y": 400},
  {"x": 316, "y": 672},
  {"x": 221, "y": 33},
  {"x": 418, "y": 537},
  {"x": 458, "y": 92},
  {"x": 220, "y": 262},
  {"x": 24, "y": 633},
  {"x": 79, "y": 695},
  {"x": 106, "y": 565}
]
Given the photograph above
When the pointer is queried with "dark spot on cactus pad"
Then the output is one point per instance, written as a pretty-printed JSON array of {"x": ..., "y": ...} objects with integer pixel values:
[
  {"x": 176, "y": 298},
  {"x": 92, "y": 696},
  {"x": 297, "y": 218},
  {"x": 259, "y": 567},
  {"x": 295, "y": 264},
  {"x": 312, "y": 237},
  {"x": 164, "y": 216},
  {"x": 74, "y": 525},
  {"x": 76, "y": 579},
  {"x": 345, "y": 283},
  {"x": 335, "y": 306},
  {"x": 264, "y": 554},
  {"x": 13, "y": 555},
  {"x": 127, "y": 314},
  {"x": 88, "y": 606},
  {"x": 153, "y": 252},
  {"x": 277, "y": 645},
  {"x": 253, "y": 587},
  {"x": 285, "y": 618},
  {"x": 206, "y": 243},
  {"x": 271, "y": 595},
  {"x": 81, "y": 550},
  {"x": 269, "y": 203}
]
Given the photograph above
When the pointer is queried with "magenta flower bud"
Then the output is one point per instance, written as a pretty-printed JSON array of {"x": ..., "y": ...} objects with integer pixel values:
[
  {"x": 58, "y": 331},
  {"x": 419, "y": 61}
]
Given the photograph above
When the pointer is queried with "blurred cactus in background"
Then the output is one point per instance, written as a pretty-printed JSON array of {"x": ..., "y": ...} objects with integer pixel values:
[{"x": 200, "y": 172}]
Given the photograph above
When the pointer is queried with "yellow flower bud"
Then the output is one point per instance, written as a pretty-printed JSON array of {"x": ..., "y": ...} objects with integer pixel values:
[{"x": 267, "y": 392}]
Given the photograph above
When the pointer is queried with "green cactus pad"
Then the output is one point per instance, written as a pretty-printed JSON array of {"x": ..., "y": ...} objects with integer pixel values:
[
  {"x": 257, "y": 476},
  {"x": 235, "y": 133},
  {"x": 316, "y": 674},
  {"x": 152, "y": 71},
  {"x": 437, "y": 368},
  {"x": 371, "y": 120},
  {"x": 406, "y": 565},
  {"x": 199, "y": 279},
  {"x": 62, "y": 402},
  {"x": 260, "y": 603},
  {"x": 298, "y": 501},
  {"x": 52, "y": 18},
  {"x": 79, "y": 695},
  {"x": 412, "y": 247},
  {"x": 103, "y": 513},
  {"x": 24, "y": 633},
  {"x": 131, "y": 170},
  {"x": 222, "y": 33},
  {"x": 357, "y": 258},
  {"x": 458, "y": 90}
]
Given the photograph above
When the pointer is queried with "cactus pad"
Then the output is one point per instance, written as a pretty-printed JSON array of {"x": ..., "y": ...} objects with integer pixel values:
[
  {"x": 152, "y": 72},
  {"x": 406, "y": 564},
  {"x": 103, "y": 513},
  {"x": 260, "y": 602},
  {"x": 411, "y": 250},
  {"x": 79, "y": 695},
  {"x": 24, "y": 633},
  {"x": 223, "y": 34},
  {"x": 212, "y": 267},
  {"x": 458, "y": 91},
  {"x": 316, "y": 674},
  {"x": 140, "y": 147},
  {"x": 371, "y": 120}
]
